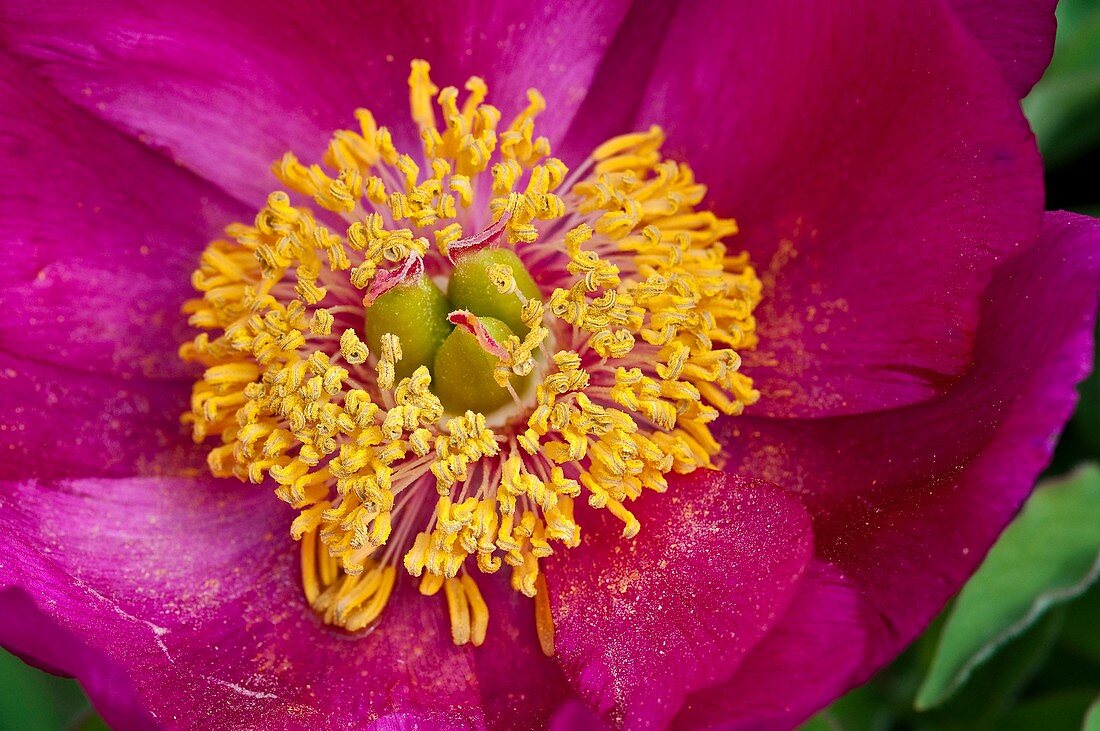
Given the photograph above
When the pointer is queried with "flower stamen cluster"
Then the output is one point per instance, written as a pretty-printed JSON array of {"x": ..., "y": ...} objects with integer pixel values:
[{"x": 613, "y": 373}]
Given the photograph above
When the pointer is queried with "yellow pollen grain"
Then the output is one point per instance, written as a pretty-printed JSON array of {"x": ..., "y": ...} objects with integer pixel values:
[{"x": 632, "y": 352}]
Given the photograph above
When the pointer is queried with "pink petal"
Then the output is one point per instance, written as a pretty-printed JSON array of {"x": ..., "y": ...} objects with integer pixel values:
[
  {"x": 907, "y": 502},
  {"x": 99, "y": 240},
  {"x": 643, "y": 623},
  {"x": 618, "y": 87},
  {"x": 43, "y": 642},
  {"x": 575, "y": 716},
  {"x": 62, "y": 423},
  {"x": 520, "y": 688},
  {"x": 880, "y": 169},
  {"x": 227, "y": 89},
  {"x": 181, "y": 597},
  {"x": 1018, "y": 34},
  {"x": 814, "y": 653}
]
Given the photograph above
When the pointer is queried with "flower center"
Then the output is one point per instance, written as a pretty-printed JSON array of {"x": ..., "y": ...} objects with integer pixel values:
[{"x": 533, "y": 336}]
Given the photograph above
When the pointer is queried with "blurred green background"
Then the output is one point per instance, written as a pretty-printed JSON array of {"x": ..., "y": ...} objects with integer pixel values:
[{"x": 1020, "y": 647}]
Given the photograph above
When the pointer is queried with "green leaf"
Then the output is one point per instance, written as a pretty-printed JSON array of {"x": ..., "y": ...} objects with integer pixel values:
[
  {"x": 821, "y": 722},
  {"x": 32, "y": 700},
  {"x": 1062, "y": 105},
  {"x": 1050, "y": 554},
  {"x": 994, "y": 687},
  {"x": 1092, "y": 718},
  {"x": 885, "y": 703}
]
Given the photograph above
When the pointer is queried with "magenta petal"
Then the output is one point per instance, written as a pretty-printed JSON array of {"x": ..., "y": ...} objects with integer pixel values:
[
  {"x": 227, "y": 89},
  {"x": 520, "y": 688},
  {"x": 575, "y": 716},
  {"x": 814, "y": 653},
  {"x": 58, "y": 422},
  {"x": 188, "y": 590},
  {"x": 99, "y": 240},
  {"x": 907, "y": 502},
  {"x": 618, "y": 87},
  {"x": 1019, "y": 34},
  {"x": 879, "y": 168},
  {"x": 642, "y": 623},
  {"x": 38, "y": 639}
]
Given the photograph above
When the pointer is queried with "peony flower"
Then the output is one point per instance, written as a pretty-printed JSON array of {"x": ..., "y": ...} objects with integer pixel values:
[{"x": 903, "y": 335}]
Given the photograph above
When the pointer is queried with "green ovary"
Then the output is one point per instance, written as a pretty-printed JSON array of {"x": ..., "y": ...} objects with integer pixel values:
[
  {"x": 462, "y": 371},
  {"x": 417, "y": 314},
  {"x": 471, "y": 289}
]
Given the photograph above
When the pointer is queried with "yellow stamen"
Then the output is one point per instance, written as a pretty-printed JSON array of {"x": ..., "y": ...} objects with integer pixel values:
[
  {"x": 632, "y": 352},
  {"x": 459, "y": 609},
  {"x": 544, "y": 621}
]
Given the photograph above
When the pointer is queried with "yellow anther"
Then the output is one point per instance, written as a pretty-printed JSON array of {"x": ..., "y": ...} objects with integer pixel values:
[
  {"x": 458, "y": 606},
  {"x": 310, "y": 584},
  {"x": 321, "y": 323},
  {"x": 370, "y": 611},
  {"x": 460, "y": 184},
  {"x": 430, "y": 584},
  {"x": 352, "y": 348},
  {"x": 623, "y": 143},
  {"x": 544, "y": 620},
  {"x": 422, "y": 90},
  {"x": 479, "y": 611},
  {"x": 387, "y": 359},
  {"x": 308, "y": 520},
  {"x": 631, "y": 525},
  {"x": 501, "y": 277}
]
